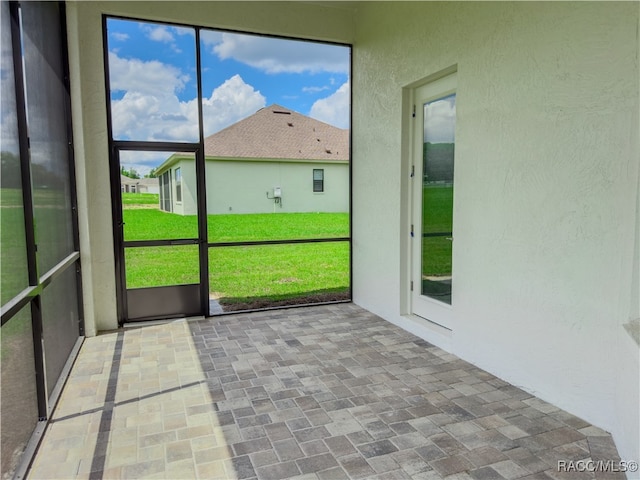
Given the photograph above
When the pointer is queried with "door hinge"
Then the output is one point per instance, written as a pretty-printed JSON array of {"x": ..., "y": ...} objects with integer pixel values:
[
  {"x": 414, "y": 112},
  {"x": 413, "y": 170},
  {"x": 412, "y": 285},
  {"x": 411, "y": 230}
]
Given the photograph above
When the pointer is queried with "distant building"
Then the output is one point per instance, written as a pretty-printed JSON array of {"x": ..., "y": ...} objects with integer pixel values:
[
  {"x": 139, "y": 185},
  {"x": 276, "y": 160}
]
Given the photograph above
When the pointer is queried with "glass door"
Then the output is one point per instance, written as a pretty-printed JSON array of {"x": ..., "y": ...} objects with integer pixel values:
[
  {"x": 160, "y": 272},
  {"x": 434, "y": 151}
]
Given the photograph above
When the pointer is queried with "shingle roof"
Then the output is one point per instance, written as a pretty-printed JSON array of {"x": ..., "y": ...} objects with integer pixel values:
[
  {"x": 124, "y": 180},
  {"x": 277, "y": 132},
  {"x": 127, "y": 180},
  {"x": 148, "y": 181}
]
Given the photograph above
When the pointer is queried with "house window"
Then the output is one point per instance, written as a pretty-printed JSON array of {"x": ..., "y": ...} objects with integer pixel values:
[
  {"x": 165, "y": 192},
  {"x": 318, "y": 180},
  {"x": 178, "y": 175}
]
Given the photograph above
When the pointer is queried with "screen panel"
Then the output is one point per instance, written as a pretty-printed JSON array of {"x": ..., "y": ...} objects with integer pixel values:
[
  {"x": 153, "y": 95},
  {"x": 60, "y": 323},
  {"x": 254, "y": 277},
  {"x": 154, "y": 205},
  {"x": 19, "y": 407},
  {"x": 162, "y": 266},
  {"x": 46, "y": 115},
  {"x": 13, "y": 261}
]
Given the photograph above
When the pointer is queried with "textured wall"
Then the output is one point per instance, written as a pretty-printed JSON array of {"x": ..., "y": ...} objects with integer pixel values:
[
  {"x": 545, "y": 194},
  {"x": 546, "y": 176}
]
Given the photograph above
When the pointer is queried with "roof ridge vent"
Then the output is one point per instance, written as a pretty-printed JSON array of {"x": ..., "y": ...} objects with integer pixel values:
[{"x": 282, "y": 112}]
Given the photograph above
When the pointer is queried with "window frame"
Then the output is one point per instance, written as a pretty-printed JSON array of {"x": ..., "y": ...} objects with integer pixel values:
[
  {"x": 29, "y": 302},
  {"x": 177, "y": 174},
  {"x": 318, "y": 187},
  {"x": 200, "y": 168}
]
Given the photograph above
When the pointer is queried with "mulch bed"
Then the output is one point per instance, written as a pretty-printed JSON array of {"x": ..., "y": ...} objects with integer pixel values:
[{"x": 260, "y": 303}]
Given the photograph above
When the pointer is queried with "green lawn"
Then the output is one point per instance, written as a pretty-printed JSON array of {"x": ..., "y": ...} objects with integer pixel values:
[
  {"x": 437, "y": 217},
  {"x": 13, "y": 263},
  {"x": 269, "y": 273},
  {"x": 437, "y": 208},
  {"x": 242, "y": 276},
  {"x": 153, "y": 224},
  {"x": 140, "y": 199},
  {"x": 261, "y": 275},
  {"x": 246, "y": 274}
]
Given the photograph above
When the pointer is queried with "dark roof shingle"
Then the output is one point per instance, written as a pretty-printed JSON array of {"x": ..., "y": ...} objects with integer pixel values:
[{"x": 277, "y": 132}]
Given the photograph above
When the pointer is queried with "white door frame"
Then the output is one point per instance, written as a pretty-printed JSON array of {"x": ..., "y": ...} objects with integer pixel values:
[{"x": 425, "y": 307}]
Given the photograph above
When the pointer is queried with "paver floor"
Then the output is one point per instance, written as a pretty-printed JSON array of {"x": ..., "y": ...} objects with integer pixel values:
[{"x": 327, "y": 392}]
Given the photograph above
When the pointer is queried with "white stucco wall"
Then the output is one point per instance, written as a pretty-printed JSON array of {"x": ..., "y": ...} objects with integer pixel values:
[
  {"x": 545, "y": 207},
  {"x": 188, "y": 203},
  {"x": 546, "y": 203},
  {"x": 241, "y": 187},
  {"x": 84, "y": 28}
]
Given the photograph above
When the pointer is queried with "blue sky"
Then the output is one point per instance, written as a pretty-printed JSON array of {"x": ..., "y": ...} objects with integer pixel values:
[{"x": 154, "y": 84}]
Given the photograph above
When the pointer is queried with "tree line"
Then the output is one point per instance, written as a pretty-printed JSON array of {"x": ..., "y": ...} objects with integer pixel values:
[{"x": 131, "y": 173}]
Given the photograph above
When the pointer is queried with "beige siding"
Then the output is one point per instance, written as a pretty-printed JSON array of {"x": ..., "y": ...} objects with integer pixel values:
[{"x": 242, "y": 187}]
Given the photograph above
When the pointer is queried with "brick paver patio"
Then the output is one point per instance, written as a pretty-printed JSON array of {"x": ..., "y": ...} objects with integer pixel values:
[{"x": 326, "y": 392}]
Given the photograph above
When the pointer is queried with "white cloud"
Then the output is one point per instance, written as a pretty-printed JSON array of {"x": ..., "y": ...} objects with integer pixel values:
[
  {"x": 159, "y": 34},
  {"x": 333, "y": 109},
  {"x": 230, "y": 102},
  {"x": 314, "y": 89},
  {"x": 145, "y": 117},
  {"x": 8, "y": 113},
  {"x": 121, "y": 37},
  {"x": 151, "y": 110},
  {"x": 275, "y": 55},
  {"x": 141, "y": 116},
  {"x": 440, "y": 121},
  {"x": 148, "y": 77},
  {"x": 210, "y": 38}
]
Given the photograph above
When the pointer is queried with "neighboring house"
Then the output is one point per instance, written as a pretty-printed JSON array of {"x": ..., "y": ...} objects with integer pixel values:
[
  {"x": 128, "y": 185},
  {"x": 275, "y": 160},
  {"x": 148, "y": 185},
  {"x": 139, "y": 185}
]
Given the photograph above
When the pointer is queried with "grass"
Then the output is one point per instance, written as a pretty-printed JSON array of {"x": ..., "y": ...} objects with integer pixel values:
[
  {"x": 437, "y": 217},
  {"x": 52, "y": 218},
  {"x": 246, "y": 274},
  {"x": 237, "y": 275},
  {"x": 153, "y": 224},
  {"x": 140, "y": 199},
  {"x": 160, "y": 266},
  {"x": 278, "y": 272},
  {"x": 14, "y": 253},
  {"x": 437, "y": 208},
  {"x": 241, "y": 277}
]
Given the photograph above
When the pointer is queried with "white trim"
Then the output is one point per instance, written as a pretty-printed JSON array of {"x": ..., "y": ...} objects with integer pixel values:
[{"x": 438, "y": 87}]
